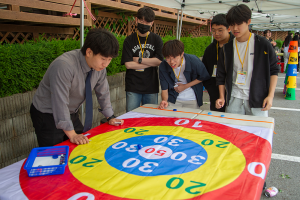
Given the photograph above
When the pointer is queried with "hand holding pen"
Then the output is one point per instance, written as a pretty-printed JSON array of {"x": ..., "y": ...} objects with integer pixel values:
[{"x": 116, "y": 122}]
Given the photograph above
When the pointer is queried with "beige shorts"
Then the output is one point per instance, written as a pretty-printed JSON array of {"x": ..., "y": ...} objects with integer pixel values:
[{"x": 186, "y": 104}]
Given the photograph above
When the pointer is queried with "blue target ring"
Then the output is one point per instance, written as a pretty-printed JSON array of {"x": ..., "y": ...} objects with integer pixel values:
[{"x": 153, "y": 155}]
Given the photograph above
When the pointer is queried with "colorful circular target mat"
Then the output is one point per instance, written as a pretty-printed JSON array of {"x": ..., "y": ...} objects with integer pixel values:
[{"x": 159, "y": 158}]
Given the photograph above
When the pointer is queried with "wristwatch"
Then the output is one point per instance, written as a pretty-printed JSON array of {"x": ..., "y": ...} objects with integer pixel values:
[
  {"x": 111, "y": 117},
  {"x": 140, "y": 60}
]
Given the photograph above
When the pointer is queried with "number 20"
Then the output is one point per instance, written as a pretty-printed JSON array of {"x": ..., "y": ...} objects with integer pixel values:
[
  {"x": 131, "y": 130},
  {"x": 83, "y": 158},
  {"x": 180, "y": 183}
]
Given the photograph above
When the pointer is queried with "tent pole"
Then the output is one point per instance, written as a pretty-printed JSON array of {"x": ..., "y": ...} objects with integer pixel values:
[
  {"x": 182, "y": 5},
  {"x": 81, "y": 44},
  {"x": 81, "y": 23},
  {"x": 212, "y": 36},
  {"x": 180, "y": 24},
  {"x": 177, "y": 28}
]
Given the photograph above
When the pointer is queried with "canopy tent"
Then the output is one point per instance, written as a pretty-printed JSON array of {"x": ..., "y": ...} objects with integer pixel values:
[{"x": 276, "y": 15}]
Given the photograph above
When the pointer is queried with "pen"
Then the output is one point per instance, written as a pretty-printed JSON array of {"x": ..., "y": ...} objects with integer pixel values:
[{"x": 117, "y": 122}]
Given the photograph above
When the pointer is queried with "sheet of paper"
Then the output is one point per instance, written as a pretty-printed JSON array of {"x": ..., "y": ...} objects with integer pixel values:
[{"x": 46, "y": 161}]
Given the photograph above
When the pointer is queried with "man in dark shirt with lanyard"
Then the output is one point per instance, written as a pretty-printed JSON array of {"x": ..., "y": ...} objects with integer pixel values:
[
  {"x": 142, "y": 53},
  {"x": 222, "y": 35}
]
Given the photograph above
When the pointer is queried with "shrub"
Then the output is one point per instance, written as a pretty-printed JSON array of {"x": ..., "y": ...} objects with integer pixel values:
[
  {"x": 22, "y": 66},
  {"x": 194, "y": 46}
]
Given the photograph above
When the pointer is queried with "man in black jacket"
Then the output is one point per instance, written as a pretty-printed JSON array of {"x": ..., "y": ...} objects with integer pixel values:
[
  {"x": 222, "y": 35},
  {"x": 247, "y": 68}
]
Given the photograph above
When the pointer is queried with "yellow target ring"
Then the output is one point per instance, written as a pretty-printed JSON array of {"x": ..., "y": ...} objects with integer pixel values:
[{"x": 88, "y": 164}]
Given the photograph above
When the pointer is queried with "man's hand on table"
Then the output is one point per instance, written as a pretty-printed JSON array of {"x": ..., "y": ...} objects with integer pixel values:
[
  {"x": 79, "y": 139},
  {"x": 163, "y": 104},
  {"x": 76, "y": 138},
  {"x": 116, "y": 122}
]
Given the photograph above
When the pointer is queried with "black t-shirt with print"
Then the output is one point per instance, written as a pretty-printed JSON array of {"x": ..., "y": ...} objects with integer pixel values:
[{"x": 142, "y": 82}]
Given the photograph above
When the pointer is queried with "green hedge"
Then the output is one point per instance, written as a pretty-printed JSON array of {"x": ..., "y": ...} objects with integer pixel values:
[
  {"x": 194, "y": 46},
  {"x": 22, "y": 67}
]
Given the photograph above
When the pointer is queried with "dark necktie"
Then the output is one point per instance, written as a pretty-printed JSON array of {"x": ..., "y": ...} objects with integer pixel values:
[{"x": 88, "y": 103}]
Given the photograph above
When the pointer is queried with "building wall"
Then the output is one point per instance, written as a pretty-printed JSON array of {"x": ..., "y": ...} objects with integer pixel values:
[
  {"x": 276, "y": 35},
  {"x": 22, "y": 21}
]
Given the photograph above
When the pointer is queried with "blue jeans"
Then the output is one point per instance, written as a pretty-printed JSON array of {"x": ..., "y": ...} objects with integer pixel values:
[{"x": 134, "y": 100}]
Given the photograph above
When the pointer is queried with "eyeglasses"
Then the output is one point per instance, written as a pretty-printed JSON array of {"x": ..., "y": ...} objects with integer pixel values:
[
  {"x": 170, "y": 59},
  {"x": 218, "y": 31}
]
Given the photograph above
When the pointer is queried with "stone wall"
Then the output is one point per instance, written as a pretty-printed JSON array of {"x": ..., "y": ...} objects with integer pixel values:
[{"x": 17, "y": 136}]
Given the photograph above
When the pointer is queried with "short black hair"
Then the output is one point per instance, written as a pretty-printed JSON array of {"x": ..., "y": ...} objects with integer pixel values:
[
  {"x": 266, "y": 31},
  {"x": 287, "y": 40},
  {"x": 238, "y": 14},
  {"x": 220, "y": 19},
  {"x": 146, "y": 13},
  {"x": 102, "y": 42},
  {"x": 173, "y": 48},
  {"x": 296, "y": 37}
]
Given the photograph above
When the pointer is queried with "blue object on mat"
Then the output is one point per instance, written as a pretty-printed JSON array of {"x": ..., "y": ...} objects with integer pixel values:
[{"x": 46, "y": 152}]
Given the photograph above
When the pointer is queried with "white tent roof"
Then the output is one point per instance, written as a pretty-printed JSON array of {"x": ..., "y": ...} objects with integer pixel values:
[{"x": 266, "y": 14}]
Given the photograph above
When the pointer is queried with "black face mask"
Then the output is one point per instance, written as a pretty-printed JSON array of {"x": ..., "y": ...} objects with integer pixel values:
[{"x": 143, "y": 28}]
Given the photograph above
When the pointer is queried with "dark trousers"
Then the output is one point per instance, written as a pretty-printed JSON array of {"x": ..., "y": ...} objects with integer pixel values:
[
  {"x": 45, "y": 128},
  {"x": 213, "y": 92}
]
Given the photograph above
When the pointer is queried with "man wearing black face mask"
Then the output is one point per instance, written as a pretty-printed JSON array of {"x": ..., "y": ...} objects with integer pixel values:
[{"x": 142, "y": 53}]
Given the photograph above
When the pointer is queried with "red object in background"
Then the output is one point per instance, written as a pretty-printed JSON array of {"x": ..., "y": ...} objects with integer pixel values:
[{"x": 281, "y": 66}]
